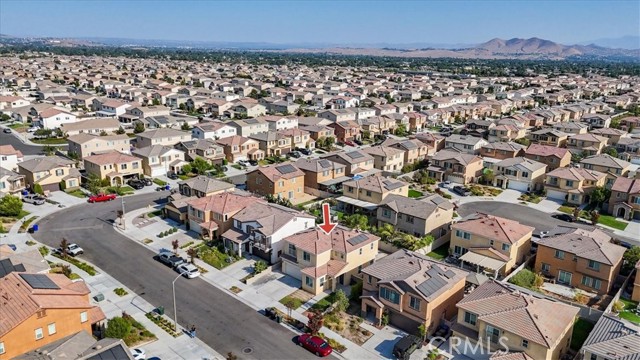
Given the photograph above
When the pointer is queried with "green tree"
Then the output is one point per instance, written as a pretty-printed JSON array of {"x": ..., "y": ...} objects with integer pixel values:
[
  {"x": 49, "y": 150},
  {"x": 631, "y": 258},
  {"x": 386, "y": 231},
  {"x": 94, "y": 183},
  {"x": 155, "y": 102},
  {"x": 103, "y": 133},
  {"x": 10, "y": 205},
  {"x": 599, "y": 195},
  {"x": 523, "y": 141},
  {"x": 5, "y": 117},
  {"x": 611, "y": 151},
  {"x": 139, "y": 127},
  {"x": 118, "y": 328},
  {"x": 182, "y": 107},
  {"x": 37, "y": 188},
  {"x": 401, "y": 130},
  {"x": 185, "y": 126},
  {"x": 595, "y": 216},
  {"x": 64, "y": 245},
  {"x": 200, "y": 165},
  {"x": 192, "y": 253},
  {"x": 120, "y": 131},
  {"x": 341, "y": 301},
  {"x": 187, "y": 169},
  {"x": 357, "y": 221}
]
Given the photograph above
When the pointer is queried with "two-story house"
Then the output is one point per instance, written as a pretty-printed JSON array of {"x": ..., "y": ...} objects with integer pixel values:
[
  {"x": 464, "y": 143},
  {"x": 206, "y": 149},
  {"x": 434, "y": 142},
  {"x": 212, "y": 130},
  {"x": 241, "y": 148},
  {"x": 585, "y": 259},
  {"x": 212, "y": 215},
  {"x": 454, "y": 166},
  {"x": 273, "y": 143},
  {"x": 624, "y": 201},
  {"x": 319, "y": 132},
  {"x": 586, "y": 144},
  {"x": 520, "y": 174},
  {"x": 573, "y": 185},
  {"x": 368, "y": 192},
  {"x": 11, "y": 182},
  {"x": 322, "y": 174},
  {"x": 430, "y": 215},
  {"x": 114, "y": 166},
  {"x": 325, "y": 261},
  {"x": 605, "y": 163},
  {"x": 492, "y": 242},
  {"x": 83, "y": 145},
  {"x": 52, "y": 173},
  {"x": 553, "y": 157},
  {"x": 10, "y": 157},
  {"x": 158, "y": 160},
  {"x": 411, "y": 290},
  {"x": 505, "y": 133},
  {"x": 284, "y": 180},
  {"x": 357, "y": 162},
  {"x": 614, "y": 135},
  {"x": 496, "y": 317},
  {"x": 414, "y": 149},
  {"x": 162, "y": 136},
  {"x": 502, "y": 150},
  {"x": 248, "y": 127},
  {"x": 386, "y": 158},
  {"x": 299, "y": 139},
  {"x": 571, "y": 127},
  {"x": 201, "y": 186},
  {"x": 550, "y": 137},
  {"x": 612, "y": 338}
]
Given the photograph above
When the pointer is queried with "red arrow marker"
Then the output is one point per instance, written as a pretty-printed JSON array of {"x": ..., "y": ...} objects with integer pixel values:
[{"x": 327, "y": 226}]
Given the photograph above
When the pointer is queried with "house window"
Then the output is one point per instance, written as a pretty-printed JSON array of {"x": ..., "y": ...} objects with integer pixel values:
[
  {"x": 306, "y": 256},
  {"x": 369, "y": 279},
  {"x": 546, "y": 267},
  {"x": 525, "y": 343},
  {"x": 360, "y": 251},
  {"x": 368, "y": 193},
  {"x": 84, "y": 317},
  {"x": 414, "y": 303},
  {"x": 458, "y": 250},
  {"x": 409, "y": 219},
  {"x": 569, "y": 183},
  {"x": 123, "y": 166},
  {"x": 38, "y": 333},
  {"x": 525, "y": 174},
  {"x": 135, "y": 165},
  {"x": 493, "y": 334},
  {"x": 505, "y": 247},
  {"x": 463, "y": 234},
  {"x": 594, "y": 265},
  {"x": 470, "y": 318},
  {"x": 559, "y": 254},
  {"x": 51, "y": 328},
  {"x": 1, "y": 348},
  {"x": 59, "y": 172},
  {"x": 322, "y": 281},
  {"x": 591, "y": 282},
  {"x": 386, "y": 213},
  {"x": 592, "y": 357},
  {"x": 564, "y": 277},
  {"x": 390, "y": 295},
  {"x": 292, "y": 250},
  {"x": 308, "y": 281}
]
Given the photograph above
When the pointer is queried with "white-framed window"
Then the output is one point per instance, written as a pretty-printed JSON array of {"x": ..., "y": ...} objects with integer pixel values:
[
  {"x": 505, "y": 247},
  {"x": 308, "y": 281},
  {"x": 306, "y": 256},
  {"x": 51, "y": 328},
  {"x": 2, "y": 350},
  {"x": 559, "y": 254},
  {"x": 390, "y": 295},
  {"x": 594, "y": 265},
  {"x": 84, "y": 317},
  {"x": 38, "y": 333},
  {"x": 463, "y": 234}
]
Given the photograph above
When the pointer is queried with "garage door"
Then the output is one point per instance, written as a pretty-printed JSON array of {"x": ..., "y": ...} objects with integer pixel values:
[
  {"x": 291, "y": 270},
  {"x": 555, "y": 194},
  {"x": 402, "y": 322},
  {"x": 518, "y": 185}
]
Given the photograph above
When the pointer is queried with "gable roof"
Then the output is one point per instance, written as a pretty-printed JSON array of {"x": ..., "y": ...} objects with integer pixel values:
[
  {"x": 493, "y": 227},
  {"x": 206, "y": 184},
  {"x": 224, "y": 203},
  {"x": 422, "y": 208},
  {"x": 45, "y": 163},
  {"x": 626, "y": 185},
  {"x": 276, "y": 172},
  {"x": 614, "y": 338},
  {"x": 111, "y": 157},
  {"x": 588, "y": 244},
  {"x": 546, "y": 150},
  {"x": 341, "y": 239}
]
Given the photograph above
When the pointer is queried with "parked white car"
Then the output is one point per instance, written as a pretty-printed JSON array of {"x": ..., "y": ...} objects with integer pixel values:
[
  {"x": 188, "y": 270},
  {"x": 33, "y": 129},
  {"x": 139, "y": 354},
  {"x": 33, "y": 199}
]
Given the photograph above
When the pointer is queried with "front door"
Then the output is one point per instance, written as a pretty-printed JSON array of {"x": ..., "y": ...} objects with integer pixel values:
[
  {"x": 341, "y": 279},
  {"x": 564, "y": 277}
]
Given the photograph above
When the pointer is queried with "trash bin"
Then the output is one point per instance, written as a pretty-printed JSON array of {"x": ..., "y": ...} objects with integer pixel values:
[
  {"x": 25, "y": 192},
  {"x": 167, "y": 187},
  {"x": 160, "y": 310},
  {"x": 278, "y": 319},
  {"x": 35, "y": 227},
  {"x": 267, "y": 312}
]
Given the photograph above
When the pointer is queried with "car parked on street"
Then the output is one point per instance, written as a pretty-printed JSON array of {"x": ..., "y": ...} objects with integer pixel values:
[
  {"x": 6, "y": 131},
  {"x": 188, "y": 270},
  {"x": 170, "y": 259},
  {"x": 315, "y": 344},
  {"x": 101, "y": 198},
  {"x": 34, "y": 199},
  {"x": 564, "y": 217},
  {"x": 461, "y": 190},
  {"x": 72, "y": 250}
]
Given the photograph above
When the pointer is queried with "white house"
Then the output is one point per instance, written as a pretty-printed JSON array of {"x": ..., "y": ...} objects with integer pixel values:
[
  {"x": 10, "y": 157},
  {"x": 10, "y": 102},
  {"x": 158, "y": 160},
  {"x": 213, "y": 130},
  {"x": 52, "y": 118},
  {"x": 280, "y": 122}
]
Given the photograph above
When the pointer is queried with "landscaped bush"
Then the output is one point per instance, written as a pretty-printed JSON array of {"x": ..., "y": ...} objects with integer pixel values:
[
  {"x": 259, "y": 267},
  {"x": 527, "y": 279},
  {"x": 120, "y": 291},
  {"x": 44, "y": 251},
  {"x": 117, "y": 328},
  {"x": 186, "y": 245}
]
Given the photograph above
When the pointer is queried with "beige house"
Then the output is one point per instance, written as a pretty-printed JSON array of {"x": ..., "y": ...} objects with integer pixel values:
[
  {"x": 212, "y": 215},
  {"x": 573, "y": 185},
  {"x": 357, "y": 162},
  {"x": 414, "y": 149},
  {"x": 552, "y": 156},
  {"x": 455, "y": 166},
  {"x": 491, "y": 242},
  {"x": 587, "y": 144},
  {"x": 368, "y": 192},
  {"x": 241, "y": 148},
  {"x": 51, "y": 172},
  {"x": 11, "y": 182},
  {"x": 612, "y": 335},
  {"x": 605, "y": 163},
  {"x": 520, "y": 174},
  {"x": 114, "y": 166},
  {"x": 495, "y": 316},
  {"x": 386, "y": 158},
  {"x": 412, "y": 290},
  {"x": 162, "y": 136},
  {"x": 284, "y": 181},
  {"x": 429, "y": 215},
  {"x": 624, "y": 201},
  {"x": 90, "y": 126},
  {"x": 325, "y": 261},
  {"x": 321, "y": 174},
  {"x": 84, "y": 145},
  {"x": 635, "y": 296}
]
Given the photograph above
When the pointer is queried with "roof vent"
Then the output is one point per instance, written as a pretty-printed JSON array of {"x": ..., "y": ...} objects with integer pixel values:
[{"x": 97, "y": 347}]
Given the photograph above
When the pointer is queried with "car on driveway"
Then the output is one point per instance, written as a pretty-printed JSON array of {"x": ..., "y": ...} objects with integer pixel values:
[
  {"x": 147, "y": 181},
  {"x": 33, "y": 129},
  {"x": 461, "y": 190},
  {"x": 169, "y": 259},
  {"x": 188, "y": 270},
  {"x": 406, "y": 346},
  {"x": 315, "y": 344},
  {"x": 305, "y": 151},
  {"x": 34, "y": 199},
  {"x": 139, "y": 354},
  {"x": 295, "y": 154},
  {"x": 102, "y": 198},
  {"x": 72, "y": 250},
  {"x": 136, "y": 184},
  {"x": 173, "y": 176},
  {"x": 563, "y": 217}
]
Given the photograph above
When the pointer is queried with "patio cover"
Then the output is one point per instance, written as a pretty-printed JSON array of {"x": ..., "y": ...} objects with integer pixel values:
[
  {"x": 359, "y": 203},
  {"x": 482, "y": 260},
  {"x": 335, "y": 181}
]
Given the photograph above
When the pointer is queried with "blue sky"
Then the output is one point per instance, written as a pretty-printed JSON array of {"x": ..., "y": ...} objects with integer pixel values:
[{"x": 339, "y": 22}]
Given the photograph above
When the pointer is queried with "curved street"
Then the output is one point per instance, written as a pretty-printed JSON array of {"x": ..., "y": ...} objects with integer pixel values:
[
  {"x": 26, "y": 149},
  {"x": 223, "y": 322}
]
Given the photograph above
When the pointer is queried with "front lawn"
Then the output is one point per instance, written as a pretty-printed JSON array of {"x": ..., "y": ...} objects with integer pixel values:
[
  {"x": 159, "y": 182},
  {"x": 611, "y": 221},
  {"x": 77, "y": 193},
  {"x": 214, "y": 257},
  {"x": 581, "y": 330},
  {"x": 294, "y": 301},
  {"x": 154, "y": 213},
  {"x": 414, "y": 193},
  {"x": 50, "y": 141},
  {"x": 566, "y": 209},
  {"x": 532, "y": 198},
  {"x": 324, "y": 303},
  {"x": 440, "y": 253},
  {"x": 627, "y": 314},
  {"x": 122, "y": 190}
]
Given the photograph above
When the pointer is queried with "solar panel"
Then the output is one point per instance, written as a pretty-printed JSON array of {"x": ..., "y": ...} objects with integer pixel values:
[
  {"x": 355, "y": 155},
  {"x": 286, "y": 169},
  {"x": 409, "y": 145},
  {"x": 358, "y": 239},
  {"x": 324, "y": 163},
  {"x": 251, "y": 121},
  {"x": 391, "y": 185},
  {"x": 432, "y": 285},
  {"x": 39, "y": 281}
]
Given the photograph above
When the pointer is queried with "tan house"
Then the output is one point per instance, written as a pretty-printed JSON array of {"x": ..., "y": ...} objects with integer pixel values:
[
  {"x": 321, "y": 174},
  {"x": 605, "y": 163},
  {"x": 428, "y": 215},
  {"x": 520, "y": 174},
  {"x": 552, "y": 156},
  {"x": 502, "y": 150},
  {"x": 325, "y": 261},
  {"x": 241, "y": 148},
  {"x": 84, "y": 145},
  {"x": 573, "y": 185},
  {"x": 299, "y": 139},
  {"x": 586, "y": 144},
  {"x": 40, "y": 309},
  {"x": 454, "y": 166},
  {"x": 53, "y": 173},
  {"x": 114, "y": 166},
  {"x": 624, "y": 201},
  {"x": 491, "y": 242},
  {"x": 506, "y": 133},
  {"x": 386, "y": 158},
  {"x": 412, "y": 290},
  {"x": 160, "y": 160},
  {"x": 201, "y": 186},
  {"x": 434, "y": 142},
  {"x": 498, "y": 318},
  {"x": 212, "y": 215},
  {"x": 414, "y": 149},
  {"x": 368, "y": 192},
  {"x": 273, "y": 143},
  {"x": 280, "y": 180},
  {"x": 11, "y": 182},
  {"x": 585, "y": 259},
  {"x": 162, "y": 136},
  {"x": 356, "y": 162},
  {"x": 549, "y": 137}
]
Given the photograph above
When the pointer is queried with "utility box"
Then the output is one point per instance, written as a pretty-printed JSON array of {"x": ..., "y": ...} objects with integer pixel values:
[{"x": 99, "y": 297}]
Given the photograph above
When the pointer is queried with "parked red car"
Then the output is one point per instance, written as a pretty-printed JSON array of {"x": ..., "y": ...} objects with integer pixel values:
[
  {"x": 102, "y": 197},
  {"x": 315, "y": 344},
  {"x": 350, "y": 143}
]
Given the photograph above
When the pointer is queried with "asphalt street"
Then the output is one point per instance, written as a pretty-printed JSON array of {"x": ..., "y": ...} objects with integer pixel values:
[
  {"x": 223, "y": 322},
  {"x": 11, "y": 139}
]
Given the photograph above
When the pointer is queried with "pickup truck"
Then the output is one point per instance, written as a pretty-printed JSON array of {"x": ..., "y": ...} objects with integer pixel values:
[
  {"x": 102, "y": 197},
  {"x": 462, "y": 191},
  {"x": 170, "y": 259},
  {"x": 72, "y": 249}
]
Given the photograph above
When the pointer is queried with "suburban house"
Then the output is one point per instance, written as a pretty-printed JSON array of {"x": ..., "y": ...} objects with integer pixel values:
[
  {"x": 248, "y": 127},
  {"x": 586, "y": 144},
  {"x": 206, "y": 149},
  {"x": 241, "y": 148},
  {"x": 299, "y": 139},
  {"x": 552, "y": 156},
  {"x": 280, "y": 180},
  {"x": 571, "y": 127},
  {"x": 83, "y": 145},
  {"x": 319, "y": 131},
  {"x": 433, "y": 141},
  {"x": 585, "y": 259},
  {"x": 162, "y": 136},
  {"x": 114, "y": 166},
  {"x": 465, "y": 144},
  {"x": 346, "y": 131},
  {"x": 321, "y": 174},
  {"x": 249, "y": 110},
  {"x": 40, "y": 309},
  {"x": 53, "y": 118},
  {"x": 95, "y": 126},
  {"x": 212, "y": 130},
  {"x": 158, "y": 160},
  {"x": 429, "y": 215},
  {"x": 629, "y": 149},
  {"x": 550, "y": 137},
  {"x": 494, "y": 315},
  {"x": 520, "y": 174},
  {"x": 260, "y": 228},
  {"x": 505, "y": 133},
  {"x": 356, "y": 162},
  {"x": 11, "y": 182},
  {"x": 325, "y": 261},
  {"x": 605, "y": 163},
  {"x": 212, "y": 215},
  {"x": 414, "y": 149},
  {"x": 573, "y": 185},
  {"x": 596, "y": 121},
  {"x": 502, "y": 150},
  {"x": 52, "y": 173},
  {"x": 412, "y": 290},
  {"x": 386, "y": 158},
  {"x": 84, "y": 345},
  {"x": 368, "y": 192},
  {"x": 142, "y": 112},
  {"x": 612, "y": 338},
  {"x": 10, "y": 157},
  {"x": 624, "y": 201},
  {"x": 455, "y": 166},
  {"x": 201, "y": 186},
  {"x": 280, "y": 122},
  {"x": 491, "y": 242},
  {"x": 273, "y": 143},
  {"x": 614, "y": 135}
]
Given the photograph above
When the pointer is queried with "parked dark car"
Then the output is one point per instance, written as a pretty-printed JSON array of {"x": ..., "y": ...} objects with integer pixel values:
[
  {"x": 295, "y": 154},
  {"x": 461, "y": 190},
  {"x": 315, "y": 344},
  {"x": 136, "y": 184},
  {"x": 147, "y": 181},
  {"x": 563, "y": 217},
  {"x": 169, "y": 259},
  {"x": 252, "y": 163},
  {"x": 6, "y": 131},
  {"x": 305, "y": 151},
  {"x": 406, "y": 346},
  {"x": 173, "y": 176}
]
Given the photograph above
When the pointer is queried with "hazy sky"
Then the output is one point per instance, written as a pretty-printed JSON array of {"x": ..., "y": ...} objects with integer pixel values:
[{"x": 341, "y": 22}]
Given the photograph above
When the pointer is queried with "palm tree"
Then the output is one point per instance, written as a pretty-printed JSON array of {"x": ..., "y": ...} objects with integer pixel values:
[
  {"x": 386, "y": 232},
  {"x": 63, "y": 248},
  {"x": 192, "y": 253},
  {"x": 175, "y": 244}
]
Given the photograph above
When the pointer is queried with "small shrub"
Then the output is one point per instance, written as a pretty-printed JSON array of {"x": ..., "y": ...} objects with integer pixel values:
[
  {"x": 30, "y": 243},
  {"x": 618, "y": 306},
  {"x": 259, "y": 267},
  {"x": 120, "y": 292},
  {"x": 118, "y": 328},
  {"x": 44, "y": 251}
]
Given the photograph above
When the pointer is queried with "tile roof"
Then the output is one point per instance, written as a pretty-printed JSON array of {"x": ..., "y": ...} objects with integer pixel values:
[
  {"x": 538, "y": 320},
  {"x": 588, "y": 244},
  {"x": 504, "y": 355},
  {"x": 341, "y": 239},
  {"x": 317, "y": 165},
  {"x": 162, "y": 133},
  {"x": 422, "y": 208},
  {"x": 45, "y": 163},
  {"x": 546, "y": 150},
  {"x": 577, "y": 174},
  {"x": 111, "y": 157},
  {"x": 521, "y": 162},
  {"x": 224, "y": 203},
  {"x": 462, "y": 158},
  {"x": 10, "y": 150},
  {"x": 270, "y": 217},
  {"x": 626, "y": 185},
  {"x": 614, "y": 338},
  {"x": 376, "y": 183},
  {"x": 206, "y": 184},
  {"x": 493, "y": 227},
  {"x": 276, "y": 172},
  {"x": 606, "y": 160}
]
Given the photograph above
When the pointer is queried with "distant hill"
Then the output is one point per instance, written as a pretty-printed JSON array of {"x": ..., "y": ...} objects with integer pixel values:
[{"x": 624, "y": 42}]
